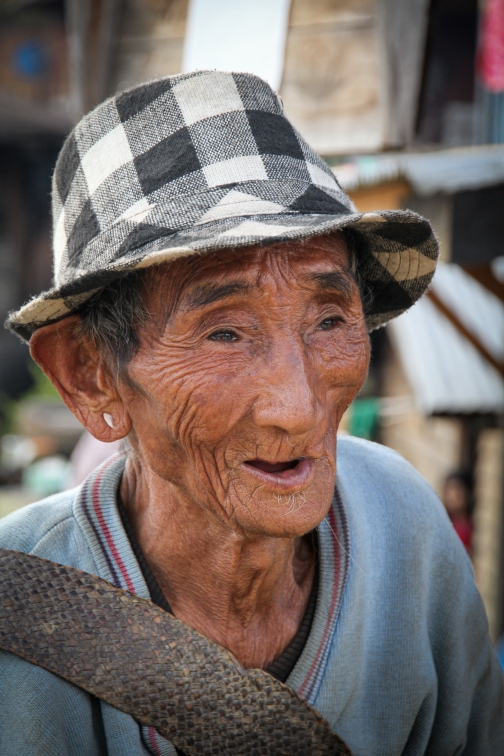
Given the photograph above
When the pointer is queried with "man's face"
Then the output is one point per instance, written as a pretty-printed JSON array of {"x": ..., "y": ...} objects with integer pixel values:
[{"x": 241, "y": 380}]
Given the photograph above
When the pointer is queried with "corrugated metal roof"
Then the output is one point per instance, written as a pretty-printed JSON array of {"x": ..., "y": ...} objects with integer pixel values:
[
  {"x": 445, "y": 370},
  {"x": 445, "y": 171}
]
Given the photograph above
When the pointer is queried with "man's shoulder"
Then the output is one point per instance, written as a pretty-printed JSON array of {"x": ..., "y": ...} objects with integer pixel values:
[
  {"x": 385, "y": 489},
  {"x": 367, "y": 460},
  {"x": 369, "y": 456},
  {"x": 49, "y": 529}
]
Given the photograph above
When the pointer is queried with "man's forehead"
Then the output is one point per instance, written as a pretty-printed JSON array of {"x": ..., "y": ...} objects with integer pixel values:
[
  {"x": 316, "y": 271},
  {"x": 302, "y": 260},
  {"x": 197, "y": 281}
]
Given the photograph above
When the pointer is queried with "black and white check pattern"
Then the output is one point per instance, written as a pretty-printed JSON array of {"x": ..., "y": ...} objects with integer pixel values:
[{"x": 203, "y": 161}]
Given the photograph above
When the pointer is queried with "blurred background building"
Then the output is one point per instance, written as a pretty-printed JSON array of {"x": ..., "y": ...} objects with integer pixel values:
[{"x": 403, "y": 98}]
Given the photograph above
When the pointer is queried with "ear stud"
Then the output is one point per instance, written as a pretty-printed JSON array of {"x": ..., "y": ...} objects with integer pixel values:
[{"x": 108, "y": 419}]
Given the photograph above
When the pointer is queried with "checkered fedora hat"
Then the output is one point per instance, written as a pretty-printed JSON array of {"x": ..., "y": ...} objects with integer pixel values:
[{"x": 204, "y": 161}]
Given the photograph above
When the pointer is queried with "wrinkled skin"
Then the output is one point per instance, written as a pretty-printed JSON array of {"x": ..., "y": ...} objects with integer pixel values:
[{"x": 231, "y": 407}]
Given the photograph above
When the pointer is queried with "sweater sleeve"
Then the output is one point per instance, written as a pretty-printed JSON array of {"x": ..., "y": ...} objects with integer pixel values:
[
  {"x": 413, "y": 664},
  {"x": 470, "y": 677},
  {"x": 42, "y": 715}
]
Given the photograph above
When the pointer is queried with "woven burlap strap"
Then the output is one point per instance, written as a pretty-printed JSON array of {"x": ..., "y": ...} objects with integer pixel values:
[{"x": 128, "y": 652}]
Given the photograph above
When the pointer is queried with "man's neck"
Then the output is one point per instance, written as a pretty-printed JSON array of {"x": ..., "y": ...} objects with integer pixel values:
[{"x": 249, "y": 595}]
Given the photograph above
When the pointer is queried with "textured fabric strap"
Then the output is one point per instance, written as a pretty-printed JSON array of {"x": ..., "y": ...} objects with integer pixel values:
[{"x": 128, "y": 652}]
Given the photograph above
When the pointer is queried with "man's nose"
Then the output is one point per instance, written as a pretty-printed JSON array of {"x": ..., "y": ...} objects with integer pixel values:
[{"x": 290, "y": 392}]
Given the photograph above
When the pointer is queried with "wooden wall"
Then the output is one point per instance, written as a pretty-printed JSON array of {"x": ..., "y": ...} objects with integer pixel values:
[
  {"x": 352, "y": 67},
  {"x": 151, "y": 40},
  {"x": 488, "y": 521},
  {"x": 331, "y": 82}
]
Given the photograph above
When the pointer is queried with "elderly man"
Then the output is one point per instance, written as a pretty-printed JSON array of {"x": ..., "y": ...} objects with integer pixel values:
[{"x": 214, "y": 288}]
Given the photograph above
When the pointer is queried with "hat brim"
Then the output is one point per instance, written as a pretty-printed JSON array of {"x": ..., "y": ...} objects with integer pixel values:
[{"x": 397, "y": 252}]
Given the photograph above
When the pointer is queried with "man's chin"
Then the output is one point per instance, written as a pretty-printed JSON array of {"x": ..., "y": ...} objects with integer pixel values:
[{"x": 283, "y": 515}]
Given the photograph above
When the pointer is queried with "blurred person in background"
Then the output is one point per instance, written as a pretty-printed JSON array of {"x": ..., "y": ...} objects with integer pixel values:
[
  {"x": 457, "y": 500},
  {"x": 88, "y": 453}
]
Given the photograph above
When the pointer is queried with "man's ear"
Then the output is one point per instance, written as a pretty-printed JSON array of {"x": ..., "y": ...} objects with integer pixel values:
[{"x": 78, "y": 371}]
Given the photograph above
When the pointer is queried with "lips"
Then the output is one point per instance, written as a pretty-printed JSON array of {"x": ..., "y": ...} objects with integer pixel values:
[
  {"x": 273, "y": 467},
  {"x": 288, "y": 475}
]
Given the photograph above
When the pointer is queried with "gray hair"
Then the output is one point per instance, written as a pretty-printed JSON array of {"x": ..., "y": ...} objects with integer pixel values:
[{"x": 111, "y": 319}]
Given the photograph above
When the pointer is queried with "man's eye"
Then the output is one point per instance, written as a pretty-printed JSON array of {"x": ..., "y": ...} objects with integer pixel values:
[
  {"x": 223, "y": 335},
  {"x": 329, "y": 323}
]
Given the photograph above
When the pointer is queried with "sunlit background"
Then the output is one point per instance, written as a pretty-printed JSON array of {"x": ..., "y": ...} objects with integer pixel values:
[{"x": 403, "y": 98}]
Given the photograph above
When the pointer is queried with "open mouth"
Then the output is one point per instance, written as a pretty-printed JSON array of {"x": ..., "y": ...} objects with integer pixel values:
[
  {"x": 273, "y": 467},
  {"x": 288, "y": 476}
]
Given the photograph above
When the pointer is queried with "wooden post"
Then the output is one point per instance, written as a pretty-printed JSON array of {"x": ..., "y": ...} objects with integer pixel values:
[
  {"x": 101, "y": 47},
  {"x": 91, "y": 32},
  {"x": 403, "y": 27},
  {"x": 500, "y": 619},
  {"x": 77, "y": 15}
]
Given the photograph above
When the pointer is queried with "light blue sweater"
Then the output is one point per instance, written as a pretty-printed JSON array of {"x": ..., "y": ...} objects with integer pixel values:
[{"x": 398, "y": 658}]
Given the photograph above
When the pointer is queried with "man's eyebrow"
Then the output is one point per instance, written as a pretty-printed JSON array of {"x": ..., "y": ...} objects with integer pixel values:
[
  {"x": 336, "y": 280},
  {"x": 206, "y": 294}
]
